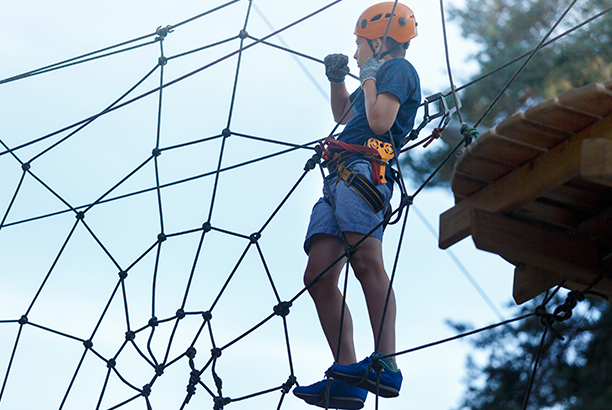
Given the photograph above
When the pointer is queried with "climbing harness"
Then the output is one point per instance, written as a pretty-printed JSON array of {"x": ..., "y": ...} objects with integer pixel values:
[
  {"x": 363, "y": 187},
  {"x": 336, "y": 153}
]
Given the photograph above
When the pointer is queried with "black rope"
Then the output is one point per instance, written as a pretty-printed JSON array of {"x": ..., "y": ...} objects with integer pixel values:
[
  {"x": 81, "y": 59},
  {"x": 280, "y": 309}
]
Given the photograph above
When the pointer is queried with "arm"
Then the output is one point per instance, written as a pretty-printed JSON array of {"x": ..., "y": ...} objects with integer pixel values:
[
  {"x": 340, "y": 101},
  {"x": 381, "y": 109}
]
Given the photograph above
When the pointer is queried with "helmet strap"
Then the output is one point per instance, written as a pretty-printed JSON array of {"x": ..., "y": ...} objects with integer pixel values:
[{"x": 371, "y": 44}]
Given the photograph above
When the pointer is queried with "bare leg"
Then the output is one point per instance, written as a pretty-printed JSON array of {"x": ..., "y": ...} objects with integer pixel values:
[
  {"x": 324, "y": 250},
  {"x": 367, "y": 263}
]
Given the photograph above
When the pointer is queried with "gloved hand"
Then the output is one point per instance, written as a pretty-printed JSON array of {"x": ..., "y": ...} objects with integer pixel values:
[
  {"x": 336, "y": 67},
  {"x": 369, "y": 70}
]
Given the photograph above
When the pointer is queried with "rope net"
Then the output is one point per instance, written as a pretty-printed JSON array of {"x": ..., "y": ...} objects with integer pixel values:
[{"x": 148, "y": 230}]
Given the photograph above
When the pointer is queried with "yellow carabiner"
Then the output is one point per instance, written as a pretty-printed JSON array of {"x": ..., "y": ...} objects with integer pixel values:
[{"x": 385, "y": 150}]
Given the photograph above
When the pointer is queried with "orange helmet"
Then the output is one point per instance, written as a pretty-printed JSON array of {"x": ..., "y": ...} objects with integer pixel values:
[{"x": 374, "y": 20}]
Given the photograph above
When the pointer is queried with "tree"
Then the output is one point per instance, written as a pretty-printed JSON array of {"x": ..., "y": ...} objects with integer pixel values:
[
  {"x": 509, "y": 29},
  {"x": 574, "y": 373}
]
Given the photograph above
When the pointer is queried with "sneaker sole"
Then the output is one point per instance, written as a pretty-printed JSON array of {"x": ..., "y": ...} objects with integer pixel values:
[
  {"x": 369, "y": 385},
  {"x": 334, "y": 402}
]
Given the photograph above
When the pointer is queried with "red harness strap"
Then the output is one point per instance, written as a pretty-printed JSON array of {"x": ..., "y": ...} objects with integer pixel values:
[{"x": 332, "y": 146}]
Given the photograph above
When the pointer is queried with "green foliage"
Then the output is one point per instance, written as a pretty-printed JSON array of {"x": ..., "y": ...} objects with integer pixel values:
[
  {"x": 505, "y": 30},
  {"x": 574, "y": 374}
]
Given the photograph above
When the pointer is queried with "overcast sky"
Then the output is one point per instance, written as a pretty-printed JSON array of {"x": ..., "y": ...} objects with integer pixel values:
[{"x": 276, "y": 98}]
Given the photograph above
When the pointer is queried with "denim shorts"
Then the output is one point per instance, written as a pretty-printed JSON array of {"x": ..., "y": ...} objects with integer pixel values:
[{"x": 352, "y": 213}]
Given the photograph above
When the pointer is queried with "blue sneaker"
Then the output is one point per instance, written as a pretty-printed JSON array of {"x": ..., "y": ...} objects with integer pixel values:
[
  {"x": 387, "y": 383},
  {"x": 341, "y": 395}
]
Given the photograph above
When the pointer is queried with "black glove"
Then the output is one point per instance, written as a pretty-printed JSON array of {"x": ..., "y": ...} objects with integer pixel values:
[{"x": 336, "y": 67}]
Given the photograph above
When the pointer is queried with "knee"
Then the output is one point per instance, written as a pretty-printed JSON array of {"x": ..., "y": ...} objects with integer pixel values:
[
  {"x": 365, "y": 266},
  {"x": 318, "y": 284}
]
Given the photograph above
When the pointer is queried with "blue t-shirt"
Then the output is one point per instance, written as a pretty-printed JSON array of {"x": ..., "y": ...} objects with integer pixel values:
[{"x": 398, "y": 77}]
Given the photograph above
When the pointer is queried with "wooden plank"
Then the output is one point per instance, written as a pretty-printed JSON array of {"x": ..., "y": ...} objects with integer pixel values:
[
  {"x": 519, "y": 128},
  {"x": 484, "y": 168},
  {"x": 530, "y": 282},
  {"x": 466, "y": 185},
  {"x": 558, "y": 116},
  {"x": 589, "y": 197},
  {"x": 597, "y": 228},
  {"x": 525, "y": 184},
  {"x": 551, "y": 212},
  {"x": 593, "y": 98},
  {"x": 597, "y": 161},
  {"x": 534, "y": 244},
  {"x": 502, "y": 149}
]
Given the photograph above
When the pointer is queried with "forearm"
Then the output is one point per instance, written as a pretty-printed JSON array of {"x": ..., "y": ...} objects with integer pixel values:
[{"x": 340, "y": 101}]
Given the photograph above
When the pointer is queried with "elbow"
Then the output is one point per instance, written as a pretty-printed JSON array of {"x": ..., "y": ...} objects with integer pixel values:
[
  {"x": 379, "y": 126},
  {"x": 341, "y": 119}
]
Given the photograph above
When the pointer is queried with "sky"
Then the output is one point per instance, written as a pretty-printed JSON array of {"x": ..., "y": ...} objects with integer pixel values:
[{"x": 276, "y": 98}]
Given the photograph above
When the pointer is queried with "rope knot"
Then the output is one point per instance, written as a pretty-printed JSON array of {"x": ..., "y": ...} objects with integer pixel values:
[
  {"x": 469, "y": 133},
  {"x": 191, "y": 352},
  {"x": 162, "y": 32},
  {"x": 564, "y": 311},
  {"x": 349, "y": 250},
  {"x": 146, "y": 390},
  {"x": 315, "y": 159},
  {"x": 282, "y": 309},
  {"x": 435, "y": 134},
  {"x": 376, "y": 364},
  {"x": 194, "y": 378},
  {"x": 215, "y": 352},
  {"x": 286, "y": 388},
  {"x": 220, "y": 402},
  {"x": 255, "y": 237}
]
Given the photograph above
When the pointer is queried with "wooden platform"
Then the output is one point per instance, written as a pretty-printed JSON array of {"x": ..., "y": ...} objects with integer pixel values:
[{"x": 537, "y": 190}]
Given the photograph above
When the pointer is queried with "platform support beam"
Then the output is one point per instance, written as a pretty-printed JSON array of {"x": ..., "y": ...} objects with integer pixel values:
[{"x": 551, "y": 169}]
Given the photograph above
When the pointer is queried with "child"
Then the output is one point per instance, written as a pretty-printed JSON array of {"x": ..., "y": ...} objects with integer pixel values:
[{"x": 388, "y": 104}]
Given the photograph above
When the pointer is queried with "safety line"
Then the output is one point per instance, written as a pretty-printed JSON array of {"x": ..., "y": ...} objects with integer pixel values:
[{"x": 461, "y": 267}]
